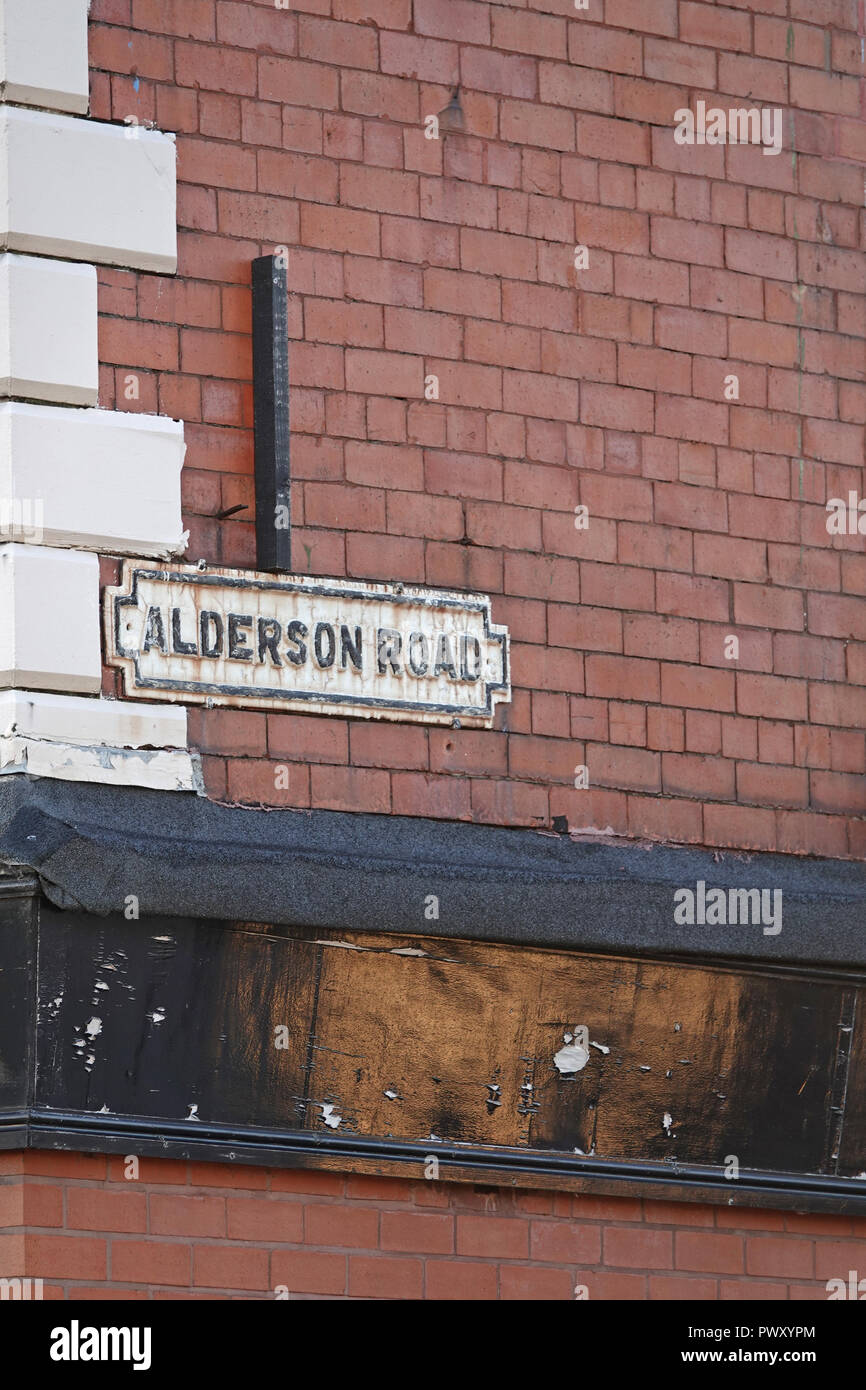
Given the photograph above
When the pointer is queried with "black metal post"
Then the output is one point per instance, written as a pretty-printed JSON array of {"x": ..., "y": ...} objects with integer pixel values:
[{"x": 271, "y": 414}]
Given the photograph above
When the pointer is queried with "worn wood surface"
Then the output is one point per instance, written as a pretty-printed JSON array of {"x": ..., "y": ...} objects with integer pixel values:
[{"x": 409, "y": 1039}]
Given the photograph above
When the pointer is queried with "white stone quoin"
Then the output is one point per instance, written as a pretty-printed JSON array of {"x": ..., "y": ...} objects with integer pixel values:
[
  {"x": 43, "y": 53},
  {"x": 49, "y": 619},
  {"x": 98, "y": 480},
  {"x": 86, "y": 740},
  {"x": 87, "y": 191},
  {"x": 73, "y": 479},
  {"x": 48, "y": 338}
]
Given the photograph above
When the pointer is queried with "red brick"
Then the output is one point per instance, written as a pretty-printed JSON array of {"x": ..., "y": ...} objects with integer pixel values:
[
  {"x": 44, "y": 1163},
  {"x": 676, "y": 821},
  {"x": 526, "y": 33},
  {"x": 603, "y": 1285},
  {"x": 676, "y": 1288},
  {"x": 309, "y": 1271},
  {"x": 460, "y": 1280},
  {"x": 565, "y": 1242},
  {"x": 467, "y": 751},
  {"x": 300, "y": 1180},
  {"x": 355, "y": 1227},
  {"x": 656, "y": 547},
  {"x": 493, "y": 1237},
  {"x": 710, "y": 1253},
  {"x": 385, "y": 1277},
  {"x": 94, "y": 1209},
  {"x": 236, "y": 1267},
  {"x": 782, "y": 1257},
  {"x": 243, "y": 26},
  {"x": 716, "y": 26},
  {"x": 150, "y": 57},
  {"x": 350, "y": 789},
  {"x": 187, "y": 1215},
  {"x": 633, "y": 1248},
  {"x": 65, "y": 1257},
  {"x": 530, "y": 1282},
  {"x": 697, "y": 688},
  {"x": 309, "y": 84},
  {"x": 254, "y": 782},
  {"x": 660, "y": 18},
  {"x": 525, "y": 123},
  {"x": 444, "y": 798},
  {"x": 417, "y": 1232},
  {"x": 657, "y": 281},
  {"x": 236, "y": 1175},
  {"x": 742, "y": 826},
  {"x": 767, "y": 606},
  {"x": 622, "y": 677},
  {"x": 264, "y": 1221}
]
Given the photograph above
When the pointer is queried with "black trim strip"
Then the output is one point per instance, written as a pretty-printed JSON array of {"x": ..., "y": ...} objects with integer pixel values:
[{"x": 78, "y": 1131}]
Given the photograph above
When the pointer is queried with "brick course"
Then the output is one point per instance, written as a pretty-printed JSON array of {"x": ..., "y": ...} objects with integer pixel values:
[{"x": 215, "y": 1231}]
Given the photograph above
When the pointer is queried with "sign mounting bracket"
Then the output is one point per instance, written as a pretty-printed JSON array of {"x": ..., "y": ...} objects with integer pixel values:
[{"x": 271, "y": 414}]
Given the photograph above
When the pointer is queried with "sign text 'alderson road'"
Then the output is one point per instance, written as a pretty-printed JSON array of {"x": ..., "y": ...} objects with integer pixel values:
[{"x": 328, "y": 646}]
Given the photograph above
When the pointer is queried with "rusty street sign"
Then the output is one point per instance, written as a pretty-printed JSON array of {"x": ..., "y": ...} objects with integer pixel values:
[{"x": 327, "y": 646}]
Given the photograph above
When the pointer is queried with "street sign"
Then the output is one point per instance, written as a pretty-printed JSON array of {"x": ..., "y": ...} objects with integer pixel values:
[{"x": 326, "y": 646}]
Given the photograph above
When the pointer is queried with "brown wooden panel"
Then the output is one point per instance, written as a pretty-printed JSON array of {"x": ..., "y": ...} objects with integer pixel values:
[
  {"x": 688, "y": 1063},
  {"x": 741, "y": 1064}
]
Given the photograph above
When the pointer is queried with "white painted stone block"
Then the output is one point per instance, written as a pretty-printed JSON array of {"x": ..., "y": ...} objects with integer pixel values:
[
  {"x": 87, "y": 191},
  {"x": 49, "y": 619},
  {"x": 43, "y": 53},
  {"x": 48, "y": 339},
  {"x": 120, "y": 767},
  {"x": 75, "y": 719},
  {"x": 94, "y": 740},
  {"x": 94, "y": 479}
]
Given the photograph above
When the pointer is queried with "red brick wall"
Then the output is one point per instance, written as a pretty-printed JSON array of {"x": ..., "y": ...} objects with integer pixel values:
[
  {"x": 604, "y": 387},
  {"x": 207, "y": 1230}
]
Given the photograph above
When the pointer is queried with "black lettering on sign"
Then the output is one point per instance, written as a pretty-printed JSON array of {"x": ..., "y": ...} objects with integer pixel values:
[
  {"x": 237, "y": 650},
  {"x": 444, "y": 656},
  {"x": 388, "y": 650},
  {"x": 270, "y": 632},
  {"x": 350, "y": 648},
  {"x": 294, "y": 632},
  {"x": 324, "y": 657},
  {"x": 154, "y": 632},
  {"x": 470, "y": 672},
  {"x": 211, "y": 646},
  {"x": 418, "y": 654},
  {"x": 178, "y": 645}
]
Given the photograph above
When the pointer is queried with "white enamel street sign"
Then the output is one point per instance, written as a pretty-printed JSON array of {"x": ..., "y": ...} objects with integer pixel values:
[{"x": 327, "y": 646}]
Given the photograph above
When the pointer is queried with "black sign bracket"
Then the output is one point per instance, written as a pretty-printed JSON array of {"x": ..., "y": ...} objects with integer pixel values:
[{"x": 271, "y": 413}]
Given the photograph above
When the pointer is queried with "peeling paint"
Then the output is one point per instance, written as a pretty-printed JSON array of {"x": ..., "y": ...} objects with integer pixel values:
[
  {"x": 343, "y": 945},
  {"x": 328, "y": 1116},
  {"x": 572, "y": 1058}
]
